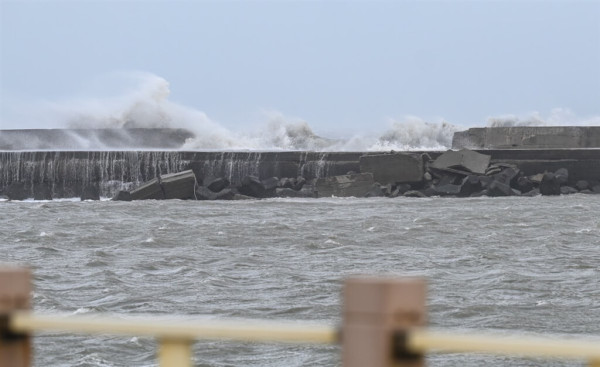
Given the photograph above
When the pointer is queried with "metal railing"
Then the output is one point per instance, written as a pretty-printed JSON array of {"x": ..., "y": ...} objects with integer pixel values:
[{"x": 383, "y": 325}]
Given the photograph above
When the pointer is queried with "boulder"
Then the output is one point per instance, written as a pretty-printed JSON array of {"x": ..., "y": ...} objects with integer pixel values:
[
  {"x": 497, "y": 188},
  {"x": 16, "y": 191},
  {"x": 346, "y": 185},
  {"x": 270, "y": 185},
  {"x": 42, "y": 191},
  {"x": 414, "y": 194},
  {"x": 582, "y": 185},
  {"x": 447, "y": 189},
  {"x": 286, "y": 192},
  {"x": 470, "y": 185},
  {"x": 567, "y": 190},
  {"x": 242, "y": 197},
  {"x": 178, "y": 185},
  {"x": 217, "y": 184},
  {"x": 300, "y": 181},
  {"x": 549, "y": 185},
  {"x": 393, "y": 168},
  {"x": 531, "y": 193},
  {"x": 90, "y": 192},
  {"x": 464, "y": 160},
  {"x": 225, "y": 194},
  {"x": 148, "y": 191},
  {"x": 204, "y": 193},
  {"x": 122, "y": 196},
  {"x": 508, "y": 176},
  {"x": 252, "y": 186},
  {"x": 562, "y": 176},
  {"x": 286, "y": 183},
  {"x": 524, "y": 184},
  {"x": 375, "y": 191}
]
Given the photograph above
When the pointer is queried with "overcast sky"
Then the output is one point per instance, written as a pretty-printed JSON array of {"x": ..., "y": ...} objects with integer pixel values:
[{"x": 338, "y": 65}]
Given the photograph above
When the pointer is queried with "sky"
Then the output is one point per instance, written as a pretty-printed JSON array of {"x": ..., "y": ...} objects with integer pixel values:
[{"x": 341, "y": 66}]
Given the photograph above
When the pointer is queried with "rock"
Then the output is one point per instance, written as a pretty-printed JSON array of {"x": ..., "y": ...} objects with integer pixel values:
[
  {"x": 375, "y": 191},
  {"x": 449, "y": 179},
  {"x": 42, "y": 191},
  {"x": 496, "y": 168},
  {"x": 309, "y": 191},
  {"x": 300, "y": 181},
  {"x": 225, "y": 194},
  {"x": 479, "y": 194},
  {"x": 122, "y": 196},
  {"x": 497, "y": 188},
  {"x": 448, "y": 189},
  {"x": 537, "y": 179},
  {"x": 242, "y": 197},
  {"x": 343, "y": 186},
  {"x": 204, "y": 193},
  {"x": 562, "y": 176},
  {"x": 485, "y": 181},
  {"x": 549, "y": 185},
  {"x": 270, "y": 185},
  {"x": 217, "y": 184},
  {"x": 387, "y": 189},
  {"x": 586, "y": 191},
  {"x": 148, "y": 191},
  {"x": 582, "y": 185},
  {"x": 464, "y": 160},
  {"x": 427, "y": 176},
  {"x": 286, "y": 183},
  {"x": 531, "y": 193},
  {"x": 524, "y": 184},
  {"x": 596, "y": 189},
  {"x": 291, "y": 193},
  {"x": 393, "y": 168},
  {"x": 252, "y": 186},
  {"x": 470, "y": 185},
  {"x": 178, "y": 185},
  {"x": 567, "y": 190},
  {"x": 414, "y": 194},
  {"x": 508, "y": 176},
  {"x": 90, "y": 192}
]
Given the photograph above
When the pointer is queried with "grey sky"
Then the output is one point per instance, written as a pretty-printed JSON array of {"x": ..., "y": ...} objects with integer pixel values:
[{"x": 338, "y": 65}]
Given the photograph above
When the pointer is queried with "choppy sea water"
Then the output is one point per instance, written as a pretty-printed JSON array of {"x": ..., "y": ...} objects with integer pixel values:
[{"x": 493, "y": 264}]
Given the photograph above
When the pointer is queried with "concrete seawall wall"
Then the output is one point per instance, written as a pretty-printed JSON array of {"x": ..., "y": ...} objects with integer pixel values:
[
  {"x": 528, "y": 137},
  {"x": 68, "y": 173}
]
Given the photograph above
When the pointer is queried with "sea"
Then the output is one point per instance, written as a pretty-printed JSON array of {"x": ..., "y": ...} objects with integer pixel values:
[{"x": 506, "y": 266}]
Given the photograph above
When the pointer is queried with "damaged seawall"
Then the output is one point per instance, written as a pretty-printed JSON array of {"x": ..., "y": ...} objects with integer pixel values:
[{"x": 68, "y": 173}]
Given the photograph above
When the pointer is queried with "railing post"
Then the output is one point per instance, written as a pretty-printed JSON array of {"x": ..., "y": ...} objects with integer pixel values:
[
  {"x": 175, "y": 353},
  {"x": 378, "y": 312},
  {"x": 15, "y": 290}
]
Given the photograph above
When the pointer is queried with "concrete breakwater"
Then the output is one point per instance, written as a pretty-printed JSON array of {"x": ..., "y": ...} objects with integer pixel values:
[{"x": 56, "y": 174}]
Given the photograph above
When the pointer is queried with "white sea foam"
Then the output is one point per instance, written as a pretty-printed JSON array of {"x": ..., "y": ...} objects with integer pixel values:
[{"x": 142, "y": 100}]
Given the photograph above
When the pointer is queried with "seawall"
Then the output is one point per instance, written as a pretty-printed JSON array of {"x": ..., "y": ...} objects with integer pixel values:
[
  {"x": 528, "y": 137},
  {"x": 67, "y": 173}
]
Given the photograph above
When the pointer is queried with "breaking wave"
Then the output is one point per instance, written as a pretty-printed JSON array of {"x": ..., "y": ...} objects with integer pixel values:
[{"x": 146, "y": 104}]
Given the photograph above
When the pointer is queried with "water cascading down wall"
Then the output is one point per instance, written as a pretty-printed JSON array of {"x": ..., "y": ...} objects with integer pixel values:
[{"x": 67, "y": 173}]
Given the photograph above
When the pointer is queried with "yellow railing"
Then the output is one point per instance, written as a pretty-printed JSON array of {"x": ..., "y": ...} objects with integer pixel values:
[{"x": 383, "y": 326}]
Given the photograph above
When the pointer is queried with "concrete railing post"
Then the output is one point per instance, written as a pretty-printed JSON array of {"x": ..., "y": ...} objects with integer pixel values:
[
  {"x": 15, "y": 290},
  {"x": 377, "y": 313}
]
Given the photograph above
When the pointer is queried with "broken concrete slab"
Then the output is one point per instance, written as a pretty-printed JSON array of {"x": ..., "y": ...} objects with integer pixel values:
[
  {"x": 393, "y": 168},
  {"x": 148, "y": 191},
  {"x": 346, "y": 185},
  {"x": 462, "y": 160},
  {"x": 178, "y": 185}
]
